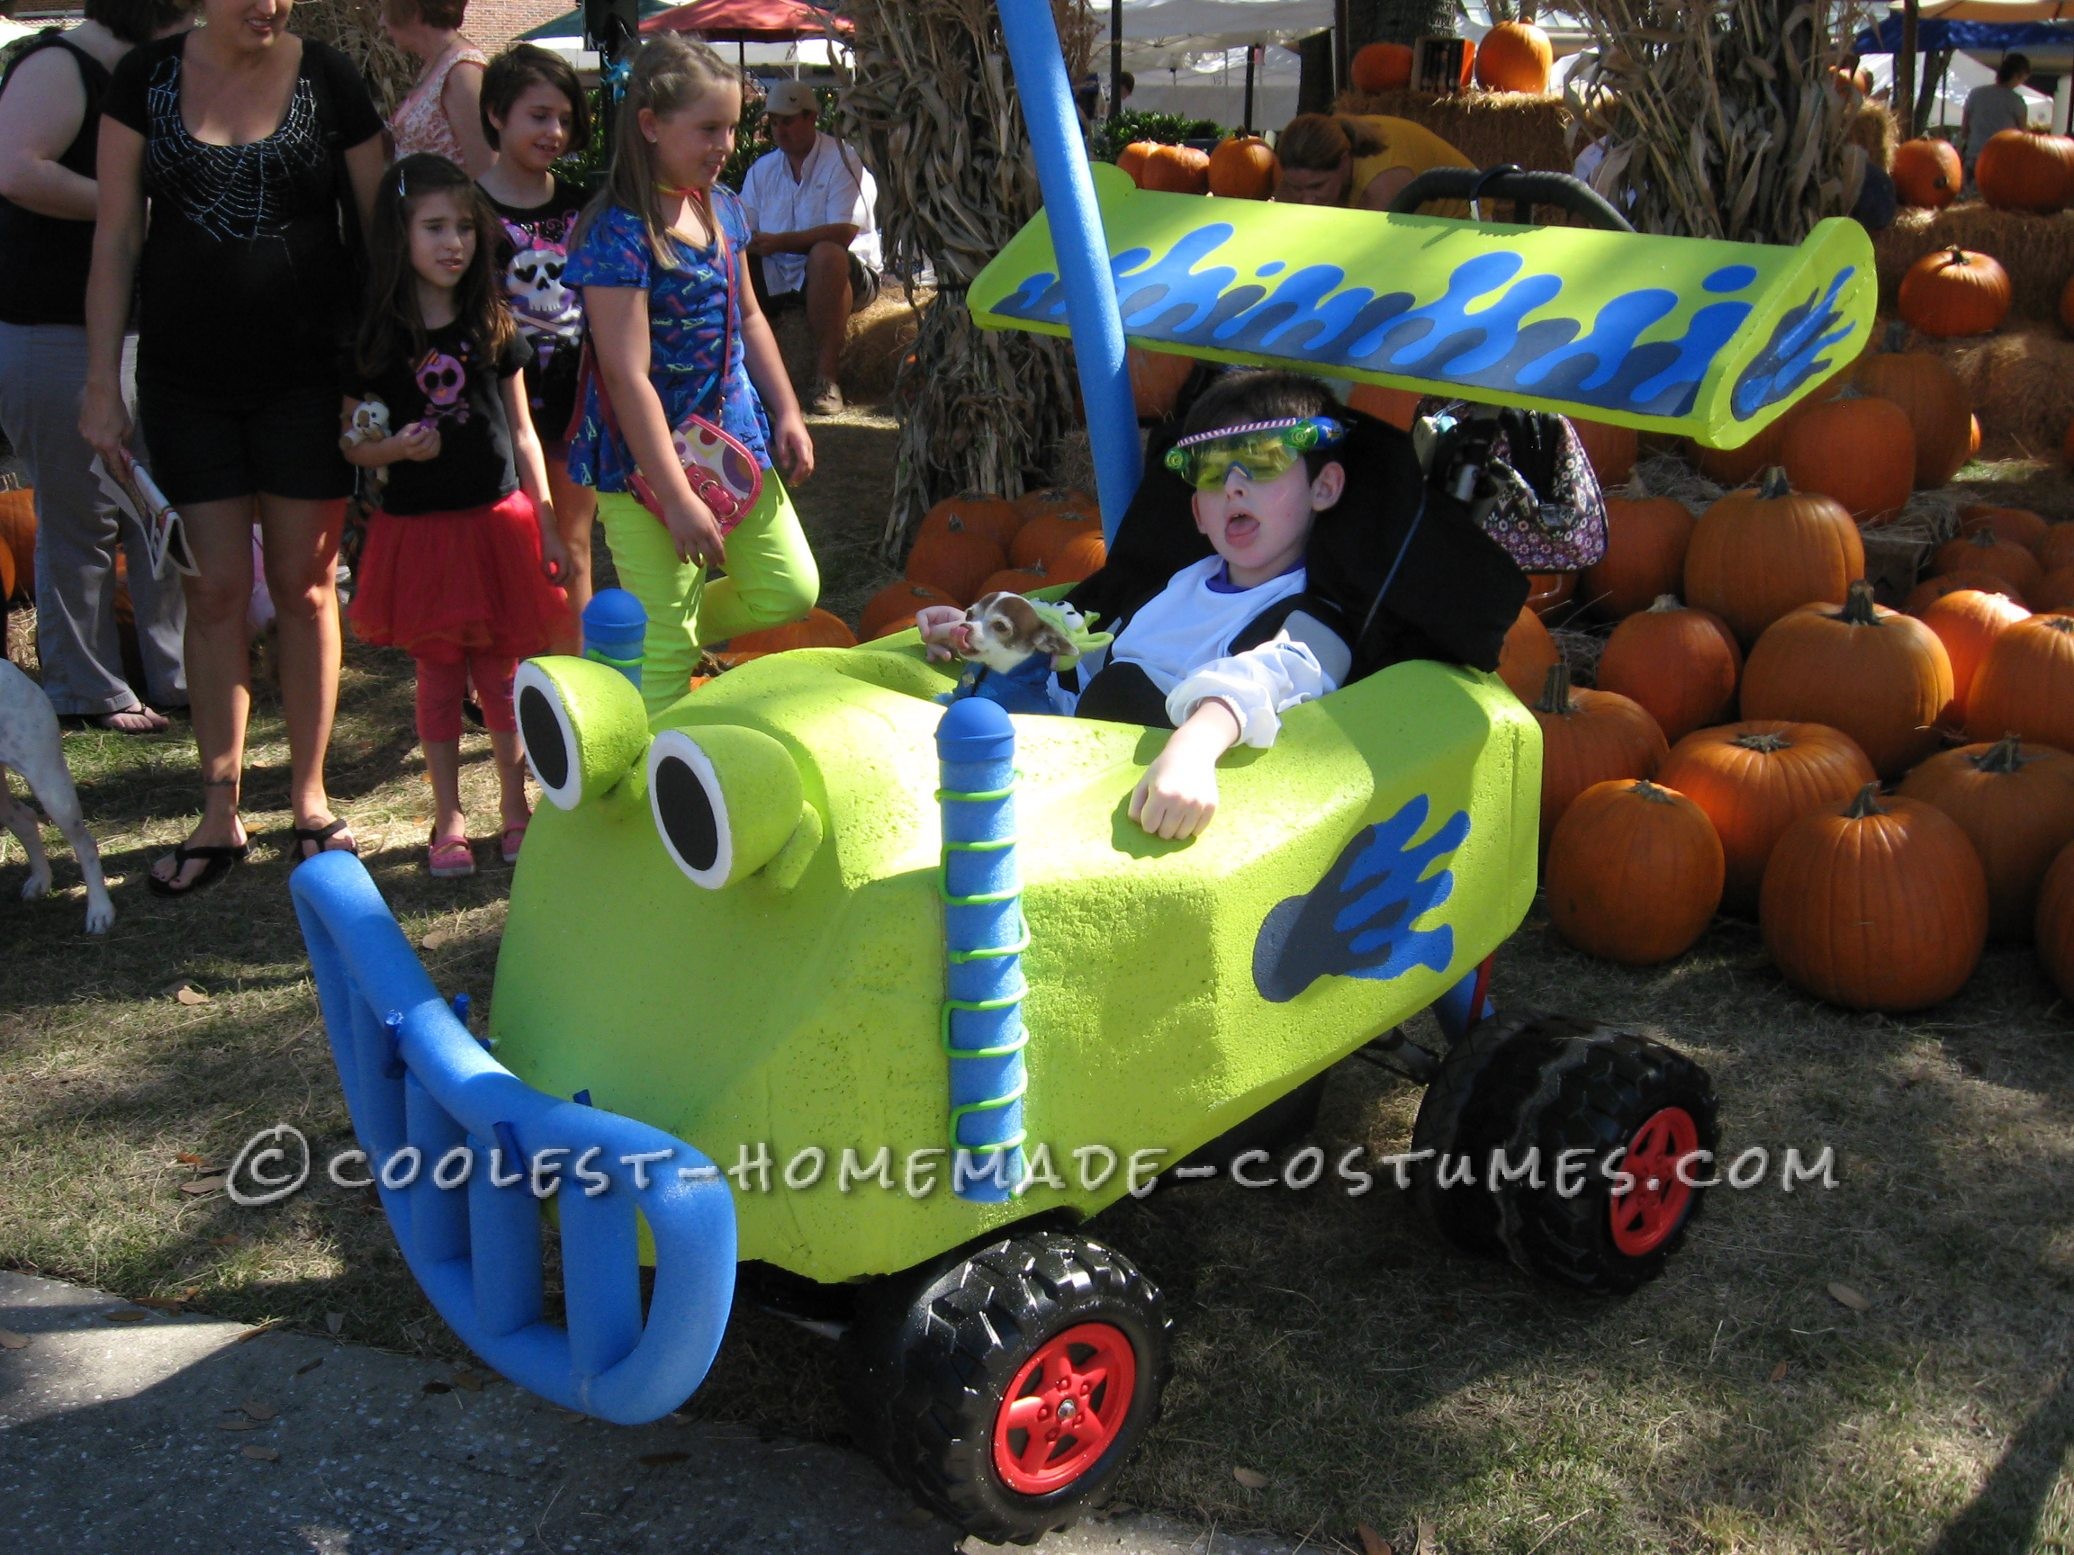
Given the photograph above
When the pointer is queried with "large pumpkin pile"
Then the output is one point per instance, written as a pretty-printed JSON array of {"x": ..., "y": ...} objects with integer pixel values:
[{"x": 1752, "y": 697}]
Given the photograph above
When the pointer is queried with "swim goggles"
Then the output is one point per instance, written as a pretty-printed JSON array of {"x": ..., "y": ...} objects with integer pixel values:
[{"x": 1259, "y": 450}]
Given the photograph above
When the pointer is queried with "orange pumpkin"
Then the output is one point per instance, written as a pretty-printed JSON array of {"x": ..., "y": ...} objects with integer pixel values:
[
  {"x": 2055, "y": 548},
  {"x": 2054, "y": 594},
  {"x": 1157, "y": 378},
  {"x": 1077, "y": 556},
  {"x": 816, "y": 629},
  {"x": 2025, "y": 684},
  {"x": 1967, "y": 622},
  {"x": 1396, "y": 406},
  {"x": 1042, "y": 540},
  {"x": 1548, "y": 590},
  {"x": 1972, "y": 436},
  {"x": 2022, "y": 171},
  {"x": 2054, "y": 924},
  {"x": 1930, "y": 394},
  {"x": 1588, "y": 737},
  {"x": 1177, "y": 170},
  {"x": 1734, "y": 466},
  {"x": 1381, "y": 67},
  {"x": 1646, "y": 541},
  {"x": 18, "y": 535},
  {"x": 1932, "y": 589},
  {"x": 1634, "y": 873},
  {"x": 1985, "y": 551},
  {"x": 1132, "y": 159},
  {"x": 7, "y": 575},
  {"x": 1927, "y": 173},
  {"x": 2020, "y": 525},
  {"x": 1527, "y": 655},
  {"x": 1015, "y": 580},
  {"x": 1860, "y": 451},
  {"x": 1679, "y": 664},
  {"x": 956, "y": 558},
  {"x": 1244, "y": 167},
  {"x": 1878, "y": 675},
  {"x": 1054, "y": 502},
  {"x": 1758, "y": 553},
  {"x": 1754, "y": 779},
  {"x": 1514, "y": 57},
  {"x": 996, "y": 517},
  {"x": 1955, "y": 292},
  {"x": 1875, "y": 905},
  {"x": 1611, "y": 449},
  {"x": 892, "y": 609},
  {"x": 2016, "y": 803}
]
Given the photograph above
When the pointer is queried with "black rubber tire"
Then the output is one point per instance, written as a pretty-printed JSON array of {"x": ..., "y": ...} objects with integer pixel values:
[
  {"x": 1593, "y": 1094},
  {"x": 1469, "y": 1110},
  {"x": 928, "y": 1371}
]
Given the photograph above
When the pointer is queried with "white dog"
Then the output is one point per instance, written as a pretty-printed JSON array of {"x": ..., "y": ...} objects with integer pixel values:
[{"x": 30, "y": 745}]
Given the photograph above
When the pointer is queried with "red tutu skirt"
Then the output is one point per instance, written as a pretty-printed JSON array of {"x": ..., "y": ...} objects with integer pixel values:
[{"x": 441, "y": 585}]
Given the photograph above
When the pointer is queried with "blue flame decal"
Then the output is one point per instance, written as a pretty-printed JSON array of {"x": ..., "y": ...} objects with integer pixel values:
[
  {"x": 1359, "y": 920},
  {"x": 1793, "y": 355},
  {"x": 1473, "y": 336}
]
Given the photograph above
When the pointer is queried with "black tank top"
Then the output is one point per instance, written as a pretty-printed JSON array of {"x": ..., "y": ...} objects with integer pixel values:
[{"x": 44, "y": 259}]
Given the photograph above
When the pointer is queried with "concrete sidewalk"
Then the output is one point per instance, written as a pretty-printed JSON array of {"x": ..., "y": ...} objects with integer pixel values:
[{"x": 174, "y": 1434}]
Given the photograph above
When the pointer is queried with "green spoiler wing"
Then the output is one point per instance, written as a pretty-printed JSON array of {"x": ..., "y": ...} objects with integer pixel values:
[{"x": 1705, "y": 338}]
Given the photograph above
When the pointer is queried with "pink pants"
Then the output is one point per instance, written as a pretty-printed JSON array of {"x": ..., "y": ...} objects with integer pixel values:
[{"x": 443, "y": 682}]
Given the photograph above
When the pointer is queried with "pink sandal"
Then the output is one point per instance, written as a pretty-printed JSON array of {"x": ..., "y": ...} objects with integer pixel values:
[
  {"x": 452, "y": 859},
  {"x": 514, "y": 838}
]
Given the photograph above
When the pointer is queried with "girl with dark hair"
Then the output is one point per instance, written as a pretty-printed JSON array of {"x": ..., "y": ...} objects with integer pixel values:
[
  {"x": 249, "y": 142},
  {"x": 442, "y": 112},
  {"x": 50, "y": 120},
  {"x": 677, "y": 332},
  {"x": 460, "y": 554},
  {"x": 533, "y": 114}
]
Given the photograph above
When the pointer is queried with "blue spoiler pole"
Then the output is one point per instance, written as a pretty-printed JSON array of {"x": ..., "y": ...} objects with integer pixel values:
[{"x": 1083, "y": 252}]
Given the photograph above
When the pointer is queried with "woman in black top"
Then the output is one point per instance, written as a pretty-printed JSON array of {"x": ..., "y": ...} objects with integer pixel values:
[
  {"x": 50, "y": 112},
  {"x": 252, "y": 144}
]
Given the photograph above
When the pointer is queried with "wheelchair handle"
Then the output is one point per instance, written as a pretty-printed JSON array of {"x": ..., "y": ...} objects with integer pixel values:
[{"x": 1507, "y": 182}]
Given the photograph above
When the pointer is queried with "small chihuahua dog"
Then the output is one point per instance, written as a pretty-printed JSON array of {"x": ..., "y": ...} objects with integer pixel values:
[
  {"x": 1010, "y": 646},
  {"x": 31, "y": 746}
]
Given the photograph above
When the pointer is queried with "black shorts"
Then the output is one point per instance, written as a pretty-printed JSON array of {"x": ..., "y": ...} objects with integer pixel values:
[
  {"x": 209, "y": 446},
  {"x": 864, "y": 288}
]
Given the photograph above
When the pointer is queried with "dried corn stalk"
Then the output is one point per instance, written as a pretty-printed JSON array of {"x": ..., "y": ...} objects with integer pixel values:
[
  {"x": 354, "y": 28},
  {"x": 934, "y": 104},
  {"x": 1719, "y": 117}
]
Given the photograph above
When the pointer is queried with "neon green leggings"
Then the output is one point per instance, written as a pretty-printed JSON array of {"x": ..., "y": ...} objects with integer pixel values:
[{"x": 771, "y": 579}]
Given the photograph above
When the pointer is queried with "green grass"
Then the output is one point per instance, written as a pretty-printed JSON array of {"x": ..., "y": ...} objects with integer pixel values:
[{"x": 1328, "y": 1342}]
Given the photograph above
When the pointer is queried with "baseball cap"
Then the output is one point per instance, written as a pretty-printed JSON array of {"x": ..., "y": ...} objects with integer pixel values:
[{"x": 789, "y": 97}]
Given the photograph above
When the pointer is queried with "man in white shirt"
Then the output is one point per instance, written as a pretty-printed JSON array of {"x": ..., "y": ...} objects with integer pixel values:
[{"x": 810, "y": 220}]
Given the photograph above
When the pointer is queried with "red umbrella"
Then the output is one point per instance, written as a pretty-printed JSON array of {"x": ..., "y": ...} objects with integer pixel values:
[{"x": 748, "y": 21}]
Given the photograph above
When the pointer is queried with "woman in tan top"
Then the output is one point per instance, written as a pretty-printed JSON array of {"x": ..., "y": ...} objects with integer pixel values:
[
  {"x": 1360, "y": 161},
  {"x": 442, "y": 113}
]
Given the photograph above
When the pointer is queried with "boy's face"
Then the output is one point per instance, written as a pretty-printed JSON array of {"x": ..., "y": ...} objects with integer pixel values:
[{"x": 1260, "y": 528}]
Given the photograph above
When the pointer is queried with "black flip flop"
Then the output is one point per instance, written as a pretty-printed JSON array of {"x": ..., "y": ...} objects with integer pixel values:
[
  {"x": 216, "y": 863},
  {"x": 317, "y": 836}
]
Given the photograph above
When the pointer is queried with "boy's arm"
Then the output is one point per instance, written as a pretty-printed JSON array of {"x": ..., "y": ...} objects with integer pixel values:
[
  {"x": 1177, "y": 797},
  {"x": 1300, "y": 663}
]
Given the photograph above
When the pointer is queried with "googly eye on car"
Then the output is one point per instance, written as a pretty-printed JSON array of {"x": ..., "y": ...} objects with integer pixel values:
[
  {"x": 582, "y": 726},
  {"x": 727, "y": 802}
]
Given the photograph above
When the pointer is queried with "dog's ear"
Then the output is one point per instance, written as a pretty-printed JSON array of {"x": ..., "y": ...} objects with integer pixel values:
[{"x": 1050, "y": 641}]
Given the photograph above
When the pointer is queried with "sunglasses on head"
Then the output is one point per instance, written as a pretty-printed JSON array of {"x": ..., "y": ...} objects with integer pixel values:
[{"x": 1260, "y": 450}]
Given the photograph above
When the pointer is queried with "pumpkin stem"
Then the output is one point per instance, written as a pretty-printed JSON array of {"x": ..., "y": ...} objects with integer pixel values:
[
  {"x": 1867, "y": 803},
  {"x": 1774, "y": 485},
  {"x": 1859, "y": 610},
  {"x": 1766, "y": 744},
  {"x": 1959, "y": 255},
  {"x": 2005, "y": 756},
  {"x": 1644, "y": 789},
  {"x": 1665, "y": 602},
  {"x": 1555, "y": 691}
]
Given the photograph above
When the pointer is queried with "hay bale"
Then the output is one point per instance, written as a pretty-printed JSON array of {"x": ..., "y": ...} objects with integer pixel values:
[
  {"x": 2037, "y": 251},
  {"x": 877, "y": 337},
  {"x": 1486, "y": 127}
]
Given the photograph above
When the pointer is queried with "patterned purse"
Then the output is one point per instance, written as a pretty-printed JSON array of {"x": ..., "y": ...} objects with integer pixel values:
[{"x": 1534, "y": 493}]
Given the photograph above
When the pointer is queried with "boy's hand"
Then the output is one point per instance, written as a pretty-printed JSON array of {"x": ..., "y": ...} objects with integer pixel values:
[
  {"x": 1177, "y": 797},
  {"x": 939, "y": 626}
]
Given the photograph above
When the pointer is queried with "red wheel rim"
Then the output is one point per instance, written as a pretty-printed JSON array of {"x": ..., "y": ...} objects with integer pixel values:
[
  {"x": 1655, "y": 1205},
  {"x": 1064, "y": 1408}
]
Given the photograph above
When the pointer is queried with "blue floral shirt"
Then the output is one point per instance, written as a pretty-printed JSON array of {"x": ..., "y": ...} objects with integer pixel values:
[{"x": 691, "y": 336}]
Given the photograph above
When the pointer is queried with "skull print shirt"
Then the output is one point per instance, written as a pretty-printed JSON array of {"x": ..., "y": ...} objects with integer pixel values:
[
  {"x": 453, "y": 388},
  {"x": 532, "y": 258},
  {"x": 694, "y": 336}
]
